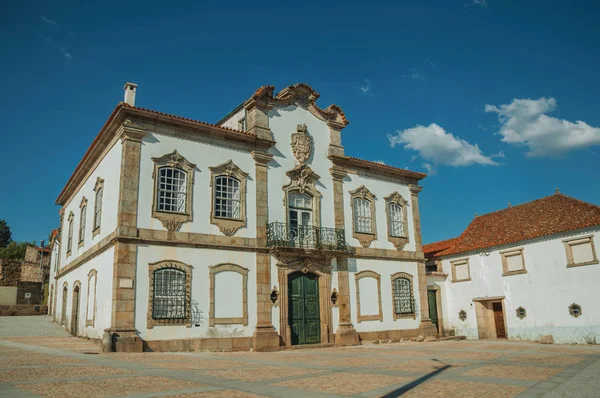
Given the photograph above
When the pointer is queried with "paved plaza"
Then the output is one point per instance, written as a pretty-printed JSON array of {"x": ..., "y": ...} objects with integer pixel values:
[{"x": 37, "y": 358}]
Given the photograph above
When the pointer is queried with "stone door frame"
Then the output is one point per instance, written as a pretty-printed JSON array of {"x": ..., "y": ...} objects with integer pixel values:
[
  {"x": 484, "y": 313},
  {"x": 440, "y": 310},
  {"x": 325, "y": 306}
]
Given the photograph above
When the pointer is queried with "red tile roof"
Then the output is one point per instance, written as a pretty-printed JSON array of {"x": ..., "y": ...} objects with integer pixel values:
[{"x": 542, "y": 217}]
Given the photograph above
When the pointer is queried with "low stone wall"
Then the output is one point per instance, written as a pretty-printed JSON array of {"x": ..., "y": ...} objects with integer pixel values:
[
  {"x": 23, "y": 309},
  {"x": 209, "y": 344}
]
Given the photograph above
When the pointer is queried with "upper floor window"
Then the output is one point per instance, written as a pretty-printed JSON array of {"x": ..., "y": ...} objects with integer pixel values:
[
  {"x": 228, "y": 183},
  {"x": 362, "y": 219},
  {"x": 70, "y": 234},
  {"x": 227, "y": 197},
  {"x": 513, "y": 262},
  {"x": 82, "y": 218},
  {"x": 99, "y": 188},
  {"x": 402, "y": 292},
  {"x": 174, "y": 177},
  {"x": 363, "y": 215},
  {"x": 172, "y": 190},
  {"x": 397, "y": 219},
  {"x": 242, "y": 124},
  {"x": 461, "y": 271},
  {"x": 580, "y": 251}
]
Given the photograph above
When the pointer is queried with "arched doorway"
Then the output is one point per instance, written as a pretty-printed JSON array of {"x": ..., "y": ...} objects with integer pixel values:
[
  {"x": 63, "y": 312},
  {"x": 303, "y": 306},
  {"x": 75, "y": 311}
]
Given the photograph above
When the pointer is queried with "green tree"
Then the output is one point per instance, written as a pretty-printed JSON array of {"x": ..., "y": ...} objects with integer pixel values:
[
  {"x": 5, "y": 234},
  {"x": 15, "y": 250}
]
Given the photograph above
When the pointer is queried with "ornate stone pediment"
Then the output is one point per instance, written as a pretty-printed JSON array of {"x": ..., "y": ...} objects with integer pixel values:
[
  {"x": 174, "y": 159},
  {"x": 302, "y": 179},
  {"x": 301, "y": 144}
]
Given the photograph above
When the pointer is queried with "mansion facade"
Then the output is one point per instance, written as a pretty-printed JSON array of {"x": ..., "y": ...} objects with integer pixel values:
[{"x": 256, "y": 232}]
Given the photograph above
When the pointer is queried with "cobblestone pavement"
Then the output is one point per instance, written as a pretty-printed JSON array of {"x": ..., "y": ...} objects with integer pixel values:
[{"x": 52, "y": 363}]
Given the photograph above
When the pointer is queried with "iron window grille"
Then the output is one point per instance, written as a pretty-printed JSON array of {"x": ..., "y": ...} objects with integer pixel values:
[
  {"x": 169, "y": 300},
  {"x": 403, "y": 297},
  {"x": 227, "y": 197},
  {"x": 172, "y": 194},
  {"x": 362, "y": 216},
  {"x": 396, "y": 222}
]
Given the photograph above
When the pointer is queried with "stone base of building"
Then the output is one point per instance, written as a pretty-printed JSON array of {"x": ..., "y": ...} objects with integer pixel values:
[
  {"x": 427, "y": 328},
  {"x": 346, "y": 335},
  {"x": 265, "y": 339},
  {"x": 210, "y": 344},
  {"x": 129, "y": 344},
  {"x": 393, "y": 335}
]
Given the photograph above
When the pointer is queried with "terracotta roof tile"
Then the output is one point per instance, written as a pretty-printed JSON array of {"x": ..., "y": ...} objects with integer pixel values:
[{"x": 542, "y": 217}]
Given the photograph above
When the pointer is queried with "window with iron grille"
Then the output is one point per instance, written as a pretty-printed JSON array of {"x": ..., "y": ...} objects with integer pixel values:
[
  {"x": 403, "y": 298},
  {"x": 227, "y": 197},
  {"x": 98, "y": 208},
  {"x": 362, "y": 216},
  {"x": 172, "y": 190},
  {"x": 169, "y": 299},
  {"x": 395, "y": 220}
]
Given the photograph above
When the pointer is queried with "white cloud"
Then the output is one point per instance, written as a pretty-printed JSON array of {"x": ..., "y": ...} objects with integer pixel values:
[
  {"x": 524, "y": 122},
  {"x": 366, "y": 87},
  {"x": 438, "y": 147},
  {"x": 49, "y": 21},
  {"x": 379, "y": 161},
  {"x": 61, "y": 47},
  {"x": 430, "y": 169},
  {"x": 416, "y": 75},
  {"x": 481, "y": 3}
]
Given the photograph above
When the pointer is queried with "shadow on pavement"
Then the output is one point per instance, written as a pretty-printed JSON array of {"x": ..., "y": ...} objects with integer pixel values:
[{"x": 399, "y": 391}]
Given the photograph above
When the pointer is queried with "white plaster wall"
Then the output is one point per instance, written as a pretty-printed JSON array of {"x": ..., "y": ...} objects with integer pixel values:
[
  {"x": 233, "y": 120},
  {"x": 229, "y": 295},
  {"x": 200, "y": 260},
  {"x": 103, "y": 264},
  {"x": 109, "y": 169},
  {"x": 381, "y": 189},
  {"x": 203, "y": 155},
  {"x": 53, "y": 268},
  {"x": 545, "y": 291},
  {"x": 283, "y": 123},
  {"x": 385, "y": 269}
]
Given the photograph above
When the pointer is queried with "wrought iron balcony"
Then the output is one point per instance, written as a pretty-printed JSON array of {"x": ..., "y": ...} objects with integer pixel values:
[{"x": 281, "y": 235}]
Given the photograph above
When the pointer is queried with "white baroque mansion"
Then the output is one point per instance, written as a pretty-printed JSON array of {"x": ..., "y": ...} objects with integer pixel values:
[{"x": 256, "y": 232}]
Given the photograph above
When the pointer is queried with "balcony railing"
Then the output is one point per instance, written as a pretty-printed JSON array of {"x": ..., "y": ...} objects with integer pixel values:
[{"x": 306, "y": 237}]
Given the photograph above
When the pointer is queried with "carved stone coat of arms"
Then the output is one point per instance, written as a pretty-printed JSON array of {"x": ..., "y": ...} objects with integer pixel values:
[{"x": 301, "y": 144}]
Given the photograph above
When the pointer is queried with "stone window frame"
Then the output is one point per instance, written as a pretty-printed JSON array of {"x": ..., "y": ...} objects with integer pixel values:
[
  {"x": 365, "y": 239},
  {"x": 455, "y": 263},
  {"x": 303, "y": 181},
  {"x": 228, "y": 226},
  {"x": 152, "y": 267},
  {"x": 71, "y": 219},
  {"x": 510, "y": 253},
  {"x": 82, "y": 222},
  {"x": 357, "y": 277},
  {"x": 171, "y": 220},
  {"x": 91, "y": 322},
  {"x": 579, "y": 240},
  {"x": 99, "y": 190},
  {"x": 395, "y": 198},
  {"x": 64, "y": 304},
  {"x": 403, "y": 275},
  {"x": 228, "y": 267}
]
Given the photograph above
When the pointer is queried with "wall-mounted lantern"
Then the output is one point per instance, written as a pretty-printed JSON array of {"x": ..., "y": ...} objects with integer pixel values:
[
  {"x": 275, "y": 296},
  {"x": 334, "y": 297}
]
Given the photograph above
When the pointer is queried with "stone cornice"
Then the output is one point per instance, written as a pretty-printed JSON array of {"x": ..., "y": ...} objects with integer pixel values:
[
  {"x": 350, "y": 163},
  {"x": 262, "y": 158}
]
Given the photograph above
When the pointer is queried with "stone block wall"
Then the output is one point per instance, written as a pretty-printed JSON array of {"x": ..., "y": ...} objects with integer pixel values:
[{"x": 35, "y": 293}]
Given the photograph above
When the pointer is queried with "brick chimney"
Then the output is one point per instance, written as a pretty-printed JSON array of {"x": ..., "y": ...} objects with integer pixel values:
[{"x": 130, "y": 93}]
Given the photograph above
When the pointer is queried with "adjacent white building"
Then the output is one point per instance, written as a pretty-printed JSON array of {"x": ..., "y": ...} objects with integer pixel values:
[
  {"x": 520, "y": 273},
  {"x": 254, "y": 232}
]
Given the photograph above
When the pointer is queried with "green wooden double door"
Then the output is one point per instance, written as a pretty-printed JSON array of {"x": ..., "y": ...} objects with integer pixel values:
[{"x": 304, "y": 317}]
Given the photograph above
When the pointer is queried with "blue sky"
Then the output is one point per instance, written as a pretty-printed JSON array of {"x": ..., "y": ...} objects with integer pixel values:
[{"x": 439, "y": 86}]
